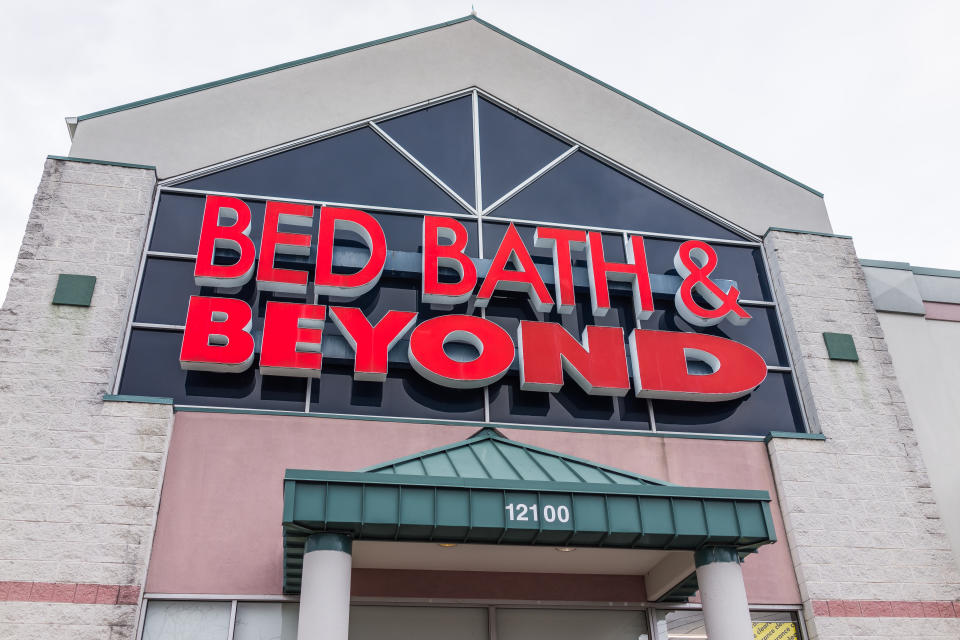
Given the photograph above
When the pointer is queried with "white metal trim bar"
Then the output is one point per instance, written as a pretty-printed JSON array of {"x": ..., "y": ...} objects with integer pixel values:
[
  {"x": 423, "y": 169},
  {"x": 477, "y": 167},
  {"x": 157, "y": 326},
  {"x": 233, "y": 620},
  {"x": 171, "y": 255},
  {"x": 523, "y": 185}
]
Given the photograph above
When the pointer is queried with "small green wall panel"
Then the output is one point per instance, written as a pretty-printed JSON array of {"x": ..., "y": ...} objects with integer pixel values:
[
  {"x": 840, "y": 346},
  {"x": 75, "y": 290}
]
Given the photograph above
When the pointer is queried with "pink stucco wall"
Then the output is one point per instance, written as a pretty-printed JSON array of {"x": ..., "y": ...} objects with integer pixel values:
[{"x": 218, "y": 529}]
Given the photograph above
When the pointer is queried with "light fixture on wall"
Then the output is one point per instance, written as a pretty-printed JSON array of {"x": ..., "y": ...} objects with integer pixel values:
[{"x": 565, "y": 549}]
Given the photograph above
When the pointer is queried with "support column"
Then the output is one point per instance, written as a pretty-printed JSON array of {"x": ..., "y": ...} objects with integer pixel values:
[
  {"x": 725, "y": 609},
  {"x": 325, "y": 588}
]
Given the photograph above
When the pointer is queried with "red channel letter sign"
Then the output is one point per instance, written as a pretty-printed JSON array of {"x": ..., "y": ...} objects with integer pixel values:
[{"x": 652, "y": 364}]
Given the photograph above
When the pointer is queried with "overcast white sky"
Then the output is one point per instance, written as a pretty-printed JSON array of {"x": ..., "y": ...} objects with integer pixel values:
[{"x": 858, "y": 99}]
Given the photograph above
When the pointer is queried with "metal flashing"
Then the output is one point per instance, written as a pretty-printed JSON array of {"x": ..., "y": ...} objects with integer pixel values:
[
  {"x": 885, "y": 264},
  {"x": 940, "y": 273},
  {"x": 793, "y": 435},
  {"x": 109, "y": 397},
  {"x": 906, "y": 266},
  {"x": 811, "y": 233},
  {"x": 337, "y": 52},
  {"x": 111, "y": 163}
]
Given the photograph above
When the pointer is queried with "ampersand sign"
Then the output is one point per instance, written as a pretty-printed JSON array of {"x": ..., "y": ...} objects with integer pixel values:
[{"x": 695, "y": 261}]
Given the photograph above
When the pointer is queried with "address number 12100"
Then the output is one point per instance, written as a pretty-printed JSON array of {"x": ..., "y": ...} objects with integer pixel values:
[{"x": 519, "y": 512}]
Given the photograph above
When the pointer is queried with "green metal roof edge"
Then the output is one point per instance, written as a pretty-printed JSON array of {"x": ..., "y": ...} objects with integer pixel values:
[
  {"x": 794, "y": 435},
  {"x": 810, "y": 233},
  {"x": 941, "y": 273},
  {"x": 400, "y": 36},
  {"x": 266, "y": 70},
  {"x": 671, "y": 491},
  {"x": 492, "y": 435},
  {"x": 885, "y": 264},
  {"x": 468, "y": 424},
  {"x": 906, "y": 266},
  {"x": 109, "y": 397},
  {"x": 148, "y": 167}
]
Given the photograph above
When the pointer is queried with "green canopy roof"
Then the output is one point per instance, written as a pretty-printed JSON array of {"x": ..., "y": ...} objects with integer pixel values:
[
  {"x": 491, "y": 490},
  {"x": 489, "y": 454}
]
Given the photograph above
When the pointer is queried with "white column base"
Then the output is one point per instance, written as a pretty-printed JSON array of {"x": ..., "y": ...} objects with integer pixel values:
[
  {"x": 724, "y": 597},
  {"x": 325, "y": 588}
]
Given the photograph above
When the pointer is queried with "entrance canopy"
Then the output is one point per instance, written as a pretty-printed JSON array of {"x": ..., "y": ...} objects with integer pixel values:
[{"x": 491, "y": 490}]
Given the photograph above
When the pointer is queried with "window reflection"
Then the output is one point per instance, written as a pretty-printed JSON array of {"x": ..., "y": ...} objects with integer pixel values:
[
  {"x": 186, "y": 620},
  {"x": 206, "y": 620}
]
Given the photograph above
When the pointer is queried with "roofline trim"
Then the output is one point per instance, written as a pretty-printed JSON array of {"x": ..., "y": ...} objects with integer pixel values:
[
  {"x": 809, "y": 233},
  {"x": 906, "y": 266},
  {"x": 111, "y": 163},
  {"x": 406, "y": 34}
]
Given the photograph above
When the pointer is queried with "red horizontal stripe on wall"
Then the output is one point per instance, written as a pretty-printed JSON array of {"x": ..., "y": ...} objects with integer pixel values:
[
  {"x": 885, "y": 609},
  {"x": 78, "y": 593}
]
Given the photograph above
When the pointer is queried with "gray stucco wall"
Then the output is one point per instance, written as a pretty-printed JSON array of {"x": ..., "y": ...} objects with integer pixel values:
[{"x": 926, "y": 354}]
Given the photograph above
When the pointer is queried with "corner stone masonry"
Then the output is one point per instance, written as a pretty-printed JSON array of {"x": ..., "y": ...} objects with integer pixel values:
[
  {"x": 79, "y": 478},
  {"x": 865, "y": 534}
]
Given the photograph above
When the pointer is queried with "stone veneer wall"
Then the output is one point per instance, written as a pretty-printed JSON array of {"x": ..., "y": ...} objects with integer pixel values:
[
  {"x": 79, "y": 477},
  {"x": 865, "y": 533}
]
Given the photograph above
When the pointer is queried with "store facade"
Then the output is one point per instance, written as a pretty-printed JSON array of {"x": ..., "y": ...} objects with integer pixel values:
[{"x": 439, "y": 337}]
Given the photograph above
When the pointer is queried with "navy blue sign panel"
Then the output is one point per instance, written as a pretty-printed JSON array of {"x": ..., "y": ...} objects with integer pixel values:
[{"x": 488, "y": 166}]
